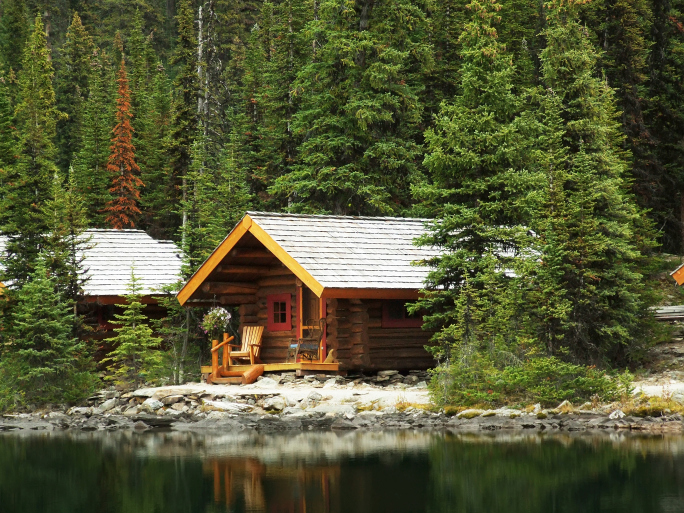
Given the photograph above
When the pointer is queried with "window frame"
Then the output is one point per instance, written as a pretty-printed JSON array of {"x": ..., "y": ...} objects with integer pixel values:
[
  {"x": 271, "y": 299},
  {"x": 405, "y": 322}
]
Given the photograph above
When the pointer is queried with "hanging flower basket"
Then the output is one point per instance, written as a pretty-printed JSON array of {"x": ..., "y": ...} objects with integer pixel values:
[{"x": 215, "y": 321}]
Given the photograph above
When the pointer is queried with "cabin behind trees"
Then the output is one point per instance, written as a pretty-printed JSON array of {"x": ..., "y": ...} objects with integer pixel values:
[
  {"x": 283, "y": 271},
  {"x": 108, "y": 256}
]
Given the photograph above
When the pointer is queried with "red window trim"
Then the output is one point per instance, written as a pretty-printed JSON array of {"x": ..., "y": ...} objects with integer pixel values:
[
  {"x": 398, "y": 323},
  {"x": 279, "y": 298}
]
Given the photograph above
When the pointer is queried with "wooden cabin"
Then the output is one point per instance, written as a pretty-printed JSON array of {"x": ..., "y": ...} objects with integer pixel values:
[
  {"x": 107, "y": 259},
  {"x": 358, "y": 273}
]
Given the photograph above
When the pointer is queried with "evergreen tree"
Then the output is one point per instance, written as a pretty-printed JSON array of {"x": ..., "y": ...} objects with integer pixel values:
[
  {"x": 8, "y": 141},
  {"x": 28, "y": 184},
  {"x": 45, "y": 359},
  {"x": 122, "y": 210},
  {"x": 360, "y": 113},
  {"x": 592, "y": 236},
  {"x": 153, "y": 157},
  {"x": 183, "y": 110},
  {"x": 90, "y": 166},
  {"x": 14, "y": 32},
  {"x": 65, "y": 242},
  {"x": 136, "y": 358},
  {"x": 72, "y": 90},
  {"x": 477, "y": 156}
]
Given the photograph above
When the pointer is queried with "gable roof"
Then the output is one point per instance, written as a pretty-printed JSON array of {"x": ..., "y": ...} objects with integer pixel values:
[
  {"x": 333, "y": 253},
  {"x": 108, "y": 261}
]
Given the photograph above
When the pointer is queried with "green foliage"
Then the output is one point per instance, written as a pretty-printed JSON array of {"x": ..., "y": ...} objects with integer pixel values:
[
  {"x": 27, "y": 186},
  {"x": 136, "y": 357},
  {"x": 72, "y": 87},
  {"x": 41, "y": 359},
  {"x": 545, "y": 380},
  {"x": 181, "y": 339},
  {"x": 90, "y": 165},
  {"x": 360, "y": 113}
]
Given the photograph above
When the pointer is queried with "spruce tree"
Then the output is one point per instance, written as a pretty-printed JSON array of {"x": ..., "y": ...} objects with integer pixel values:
[
  {"x": 122, "y": 210},
  {"x": 65, "y": 244},
  {"x": 14, "y": 32},
  {"x": 183, "y": 109},
  {"x": 45, "y": 360},
  {"x": 72, "y": 90},
  {"x": 90, "y": 166},
  {"x": 360, "y": 113},
  {"x": 136, "y": 357},
  {"x": 476, "y": 159},
  {"x": 8, "y": 141},
  {"x": 28, "y": 184},
  {"x": 592, "y": 235}
]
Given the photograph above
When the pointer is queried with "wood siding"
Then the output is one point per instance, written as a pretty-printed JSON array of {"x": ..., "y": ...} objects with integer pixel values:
[
  {"x": 274, "y": 344},
  {"x": 355, "y": 330}
]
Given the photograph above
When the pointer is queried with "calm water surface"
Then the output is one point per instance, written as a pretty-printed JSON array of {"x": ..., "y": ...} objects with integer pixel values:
[{"x": 329, "y": 472}]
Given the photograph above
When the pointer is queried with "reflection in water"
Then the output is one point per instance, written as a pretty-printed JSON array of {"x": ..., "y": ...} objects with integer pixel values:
[{"x": 339, "y": 473}]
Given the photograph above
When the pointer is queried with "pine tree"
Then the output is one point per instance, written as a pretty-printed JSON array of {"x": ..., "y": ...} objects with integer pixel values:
[
  {"x": 122, "y": 210},
  {"x": 156, "y": 214},
  {"x": 90, "y": 166},
  {"x": 360, "y": 113},
  {"x": 28, "y": 184},
  {"x": 592, "y": 235},
  {"x": 136, "y": 358},
  {"x": 72, "y": 90},
  {"x": 65, "y": 242},
  {"x": 45, "y": 358},
  {"x": 14, "y": 32},
  {"x": 476, "y": 159},
  {"x": 183, "y": 109},
  {"x": 8, "y": 134}
]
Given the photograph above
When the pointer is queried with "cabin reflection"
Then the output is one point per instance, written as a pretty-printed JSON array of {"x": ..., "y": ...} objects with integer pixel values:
[{"x": 250, "y": 485}]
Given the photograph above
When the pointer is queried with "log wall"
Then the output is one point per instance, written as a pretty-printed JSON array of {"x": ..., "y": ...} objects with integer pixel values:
[
  {"x": 354, "y": 328},
  {"x": 274, "y": 344}
]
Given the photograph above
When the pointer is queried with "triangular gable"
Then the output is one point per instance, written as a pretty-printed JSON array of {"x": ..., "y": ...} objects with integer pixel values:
[{"x": 244, "y": 226}]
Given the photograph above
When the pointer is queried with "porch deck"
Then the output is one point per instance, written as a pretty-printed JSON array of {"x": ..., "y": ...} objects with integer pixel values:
[{"x": 300, "y": 368}]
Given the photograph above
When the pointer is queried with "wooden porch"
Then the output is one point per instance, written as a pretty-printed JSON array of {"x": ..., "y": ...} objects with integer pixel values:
[{"x": 300, "y": 368}]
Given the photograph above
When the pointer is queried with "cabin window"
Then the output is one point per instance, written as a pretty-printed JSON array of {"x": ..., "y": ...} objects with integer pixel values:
[
  {"x": 279, "y": 312},
  {"x": 395, "y": 314}
]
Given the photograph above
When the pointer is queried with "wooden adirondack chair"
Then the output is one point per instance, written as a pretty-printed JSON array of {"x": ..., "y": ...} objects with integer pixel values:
[{"x": 250, "y": 348}]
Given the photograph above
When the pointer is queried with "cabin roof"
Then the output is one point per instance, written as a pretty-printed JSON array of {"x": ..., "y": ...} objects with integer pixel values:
[
  {"x": 332, "y": 253},
  {"x": 111, "y": 253},
  {"x": 352, "y": 252}
]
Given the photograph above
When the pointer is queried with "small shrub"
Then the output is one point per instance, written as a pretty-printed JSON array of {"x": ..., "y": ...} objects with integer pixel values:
[{"x": 545, "y": 380}]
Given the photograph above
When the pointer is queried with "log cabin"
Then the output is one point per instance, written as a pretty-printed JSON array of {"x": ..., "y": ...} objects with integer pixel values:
[
  {"x": 281, "y": 271},
  {"x": 107, "y": 259}
]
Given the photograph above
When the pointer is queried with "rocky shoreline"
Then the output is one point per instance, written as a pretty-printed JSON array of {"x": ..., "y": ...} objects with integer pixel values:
[{"x": 282, "y": 403}]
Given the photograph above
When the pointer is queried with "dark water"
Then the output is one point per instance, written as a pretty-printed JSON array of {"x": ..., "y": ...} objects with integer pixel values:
[{"x": 329, "y": 472}]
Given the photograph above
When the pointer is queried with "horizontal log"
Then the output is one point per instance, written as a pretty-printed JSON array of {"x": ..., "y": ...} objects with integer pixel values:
[
  {"x": 358, "y": 349},
  {"x": 277, "y": 289},
  {"x": 242, "y": 269},
  {"x": 213, "y": 287},
  {"x": 274, "y": 281},
  {"x": 236, "y": 299},
  {"x": 251, "y": 253},
  {"x": 250, "y": 309},
  {"x": 249, "y": 319}
]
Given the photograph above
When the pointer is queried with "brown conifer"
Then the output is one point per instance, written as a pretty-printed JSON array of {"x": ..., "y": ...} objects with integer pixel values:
[{"x": 123, "y": 208}]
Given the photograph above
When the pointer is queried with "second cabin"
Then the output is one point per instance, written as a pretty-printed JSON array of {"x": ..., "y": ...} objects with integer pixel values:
[{"x": 353, "y": 276}]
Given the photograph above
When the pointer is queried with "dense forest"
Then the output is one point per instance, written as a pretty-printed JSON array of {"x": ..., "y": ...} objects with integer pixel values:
[{"x": 546, "y": 139}]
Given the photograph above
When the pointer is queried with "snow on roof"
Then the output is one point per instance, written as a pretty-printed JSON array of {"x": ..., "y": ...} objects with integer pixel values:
[
  {"x": 108, "y": 261},
  {"x": 352, "y": 252}
]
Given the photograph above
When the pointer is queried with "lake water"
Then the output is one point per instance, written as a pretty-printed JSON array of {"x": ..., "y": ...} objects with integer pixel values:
[{"x": 392, "y": 472}]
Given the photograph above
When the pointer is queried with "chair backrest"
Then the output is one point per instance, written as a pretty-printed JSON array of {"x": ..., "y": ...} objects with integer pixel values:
[
  {"x": 251, "y": 335},
  {"x": 314, "y": 333}
]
